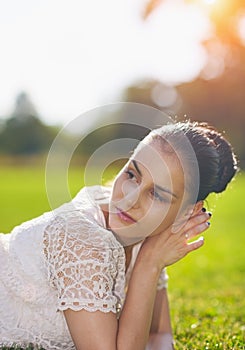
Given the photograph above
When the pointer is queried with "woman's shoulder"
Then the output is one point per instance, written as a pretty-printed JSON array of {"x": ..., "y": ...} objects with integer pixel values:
[{"x": 92, "y": 195}]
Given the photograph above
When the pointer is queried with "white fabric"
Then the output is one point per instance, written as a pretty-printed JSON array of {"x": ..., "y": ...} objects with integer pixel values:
[{"x": 63, "y": 259}]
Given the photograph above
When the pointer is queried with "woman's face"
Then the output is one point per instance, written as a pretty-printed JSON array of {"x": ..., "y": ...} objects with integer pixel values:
[{"x": 146, "y": 194}]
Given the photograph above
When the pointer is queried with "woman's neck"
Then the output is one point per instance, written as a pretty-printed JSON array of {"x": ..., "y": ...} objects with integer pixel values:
[{"x": 127, "y": 249}]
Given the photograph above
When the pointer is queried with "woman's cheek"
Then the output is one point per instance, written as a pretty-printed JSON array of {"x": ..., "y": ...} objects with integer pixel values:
[
  {"x": 171, "y": 216},
  {"x": 164, "y": 216},
  {"x": 117, "y": 188}
]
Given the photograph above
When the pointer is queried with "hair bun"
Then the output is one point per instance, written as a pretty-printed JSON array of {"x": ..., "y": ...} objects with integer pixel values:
[
  {"x": 213, "y": 154},
  {"x": 227, "y": 160}
]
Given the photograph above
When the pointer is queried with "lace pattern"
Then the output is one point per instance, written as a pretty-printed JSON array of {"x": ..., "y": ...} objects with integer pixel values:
[
  {"x": 85, "y": 264},
  {"x": 63, "y": 259}
]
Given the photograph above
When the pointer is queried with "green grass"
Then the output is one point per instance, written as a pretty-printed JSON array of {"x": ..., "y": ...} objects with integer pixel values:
[
  {"x": 23, "y": 194},
  {"x": 206, "y": 289}
]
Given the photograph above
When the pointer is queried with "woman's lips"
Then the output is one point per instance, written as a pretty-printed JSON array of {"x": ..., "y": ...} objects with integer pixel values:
[{"x": 124, "y": 216}]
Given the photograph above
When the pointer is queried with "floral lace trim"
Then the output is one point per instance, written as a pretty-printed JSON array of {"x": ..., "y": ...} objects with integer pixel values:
[{"x": 85, "y": 268}]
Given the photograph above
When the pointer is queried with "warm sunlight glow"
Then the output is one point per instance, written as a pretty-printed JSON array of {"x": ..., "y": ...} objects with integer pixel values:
[
  {"x": 209, "y": 2},
  {"x": 241, "y": 29},
  {"x": 171, "y": 33},
  {"x": 94, "y": 53}
]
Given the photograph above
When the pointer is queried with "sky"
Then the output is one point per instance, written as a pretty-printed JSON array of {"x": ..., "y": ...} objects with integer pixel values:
[{"x": 72, "y": 56}]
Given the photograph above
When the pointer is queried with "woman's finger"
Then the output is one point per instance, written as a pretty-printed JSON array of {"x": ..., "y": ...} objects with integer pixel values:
[
  {"x": 195, "y": 245},
  {"x": 196, "y": 221},
  {"x": 196, "y": 230},
  {"x": 179, "y": 228}
]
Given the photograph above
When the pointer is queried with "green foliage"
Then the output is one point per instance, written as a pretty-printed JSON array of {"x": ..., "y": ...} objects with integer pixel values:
[
  {"x": 25, "y": 136},
  {"x": 206, "y": 289},
  {"x": 23, "y": 132},
  {"x": 213, "y": 101}
]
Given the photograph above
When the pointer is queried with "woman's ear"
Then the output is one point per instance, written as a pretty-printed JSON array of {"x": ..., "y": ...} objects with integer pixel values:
[
  {"x": 191, "y": 210},
  {"x": 197, "y": 208}
]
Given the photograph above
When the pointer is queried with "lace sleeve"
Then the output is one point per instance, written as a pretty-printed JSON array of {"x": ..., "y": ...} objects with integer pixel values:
[
  {"x": 163, "y": 280},
  {"x": 83, "y": 267}
]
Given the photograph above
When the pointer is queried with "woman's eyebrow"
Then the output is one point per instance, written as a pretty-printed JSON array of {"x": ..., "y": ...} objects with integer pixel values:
[
  {"x": 166, "y": 190},
  {"x": 136, "y": 167},
  {"x": 157, "y": 186}
]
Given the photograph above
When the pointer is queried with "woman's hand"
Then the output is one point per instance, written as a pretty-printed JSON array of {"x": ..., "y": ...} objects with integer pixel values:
[{"x": 167, "y": 247}]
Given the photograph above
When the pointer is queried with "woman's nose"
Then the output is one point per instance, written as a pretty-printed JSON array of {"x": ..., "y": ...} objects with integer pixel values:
[
  {"x": 131, "y": 193},
  {"x": 133, "y": 199}
]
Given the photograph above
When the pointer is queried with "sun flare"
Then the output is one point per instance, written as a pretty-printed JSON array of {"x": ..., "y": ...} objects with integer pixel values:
[{"x": 209, "y": 2}]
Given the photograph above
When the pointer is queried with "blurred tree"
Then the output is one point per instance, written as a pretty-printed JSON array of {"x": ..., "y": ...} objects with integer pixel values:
[
  {"x": 219, "y": 102},
  {"x": 217, "y": 95},
  {"x": 23, "y": 132},
  {"x": 24, "y": 108},
  {"x": 127, "y": 121},
  {"x": 114, "y": 131},
  {"x": 154, "y": 93}
]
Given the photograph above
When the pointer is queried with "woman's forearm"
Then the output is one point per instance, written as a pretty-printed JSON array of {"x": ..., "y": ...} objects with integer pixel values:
[
  {"x": 161, "y": 337},
  {"x": 148, "y": 313},
  {"x": 135, "y": 320},
  {"x": 161, "y": 322},
  {"x": 160, "y": 341},
  {"x": 156, "y": 253}
]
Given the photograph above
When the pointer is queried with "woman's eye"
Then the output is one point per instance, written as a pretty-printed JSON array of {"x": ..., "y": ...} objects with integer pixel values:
[
  {"x": 130, "y": 174},
  {"x": 158, "y": 197}
]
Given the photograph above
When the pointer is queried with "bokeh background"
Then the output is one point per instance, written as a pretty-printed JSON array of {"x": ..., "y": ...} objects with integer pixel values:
[{"x": 62, "y": 58}]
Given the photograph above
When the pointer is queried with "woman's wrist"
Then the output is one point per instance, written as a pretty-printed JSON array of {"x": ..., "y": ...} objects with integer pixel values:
[
  {"x": 154, "y": 252},
  {"x": 148, "y": 263}
]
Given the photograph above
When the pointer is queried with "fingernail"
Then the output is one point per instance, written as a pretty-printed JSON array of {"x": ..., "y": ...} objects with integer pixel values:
[
  {"x": 204, "y": 209},
  {"x": 208, "y": 223},
  {"x": 210, "y": 214}
]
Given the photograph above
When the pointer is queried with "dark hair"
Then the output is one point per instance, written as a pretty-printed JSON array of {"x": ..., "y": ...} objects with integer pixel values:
[{"x": 216, "y": 160}]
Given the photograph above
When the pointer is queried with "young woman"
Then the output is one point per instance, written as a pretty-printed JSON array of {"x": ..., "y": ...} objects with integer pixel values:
[{"x": 91, "y": 274}]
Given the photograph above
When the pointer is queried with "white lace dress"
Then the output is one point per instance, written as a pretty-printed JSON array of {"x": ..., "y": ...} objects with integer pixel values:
[{"x": 63, "y": 259}]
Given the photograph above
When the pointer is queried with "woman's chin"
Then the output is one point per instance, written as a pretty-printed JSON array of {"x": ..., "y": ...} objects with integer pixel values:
[
  {"x": 128, "y": 234},
  {"x": 127, "y": 240}
]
